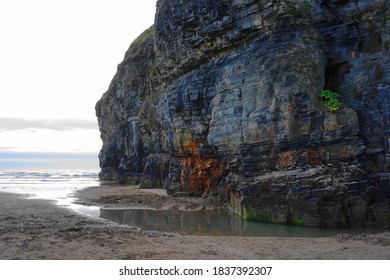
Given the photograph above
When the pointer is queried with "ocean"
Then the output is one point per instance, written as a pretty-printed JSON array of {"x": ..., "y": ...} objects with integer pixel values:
[{"x": 55, "y": 185}]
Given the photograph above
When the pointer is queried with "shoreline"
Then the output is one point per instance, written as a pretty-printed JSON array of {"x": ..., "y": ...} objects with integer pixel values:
[{"x": 38, "y": 229}]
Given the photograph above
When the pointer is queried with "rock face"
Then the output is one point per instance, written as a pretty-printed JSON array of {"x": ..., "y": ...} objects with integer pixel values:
[{"x": 222, "y": 97}]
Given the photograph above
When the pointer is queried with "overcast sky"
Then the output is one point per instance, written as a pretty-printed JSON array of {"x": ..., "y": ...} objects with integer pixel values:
[{"x": 57, "y": 58}]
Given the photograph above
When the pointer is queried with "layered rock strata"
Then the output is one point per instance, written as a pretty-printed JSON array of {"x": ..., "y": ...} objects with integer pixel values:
[{"x": 223, "y": 97}]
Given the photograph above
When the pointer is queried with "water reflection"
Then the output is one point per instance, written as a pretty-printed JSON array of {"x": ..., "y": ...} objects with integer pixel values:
[{"x": 210, "y": 222}]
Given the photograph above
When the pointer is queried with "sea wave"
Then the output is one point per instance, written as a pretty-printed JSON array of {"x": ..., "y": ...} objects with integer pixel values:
[{"x": 47, "y": 184}]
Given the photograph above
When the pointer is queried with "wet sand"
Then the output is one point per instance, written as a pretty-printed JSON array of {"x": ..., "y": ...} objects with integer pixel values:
[{"x": 38, "y": 229}]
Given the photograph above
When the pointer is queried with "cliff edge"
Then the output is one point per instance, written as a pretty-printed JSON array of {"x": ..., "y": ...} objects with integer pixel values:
[{"x": 223, "y": 97}]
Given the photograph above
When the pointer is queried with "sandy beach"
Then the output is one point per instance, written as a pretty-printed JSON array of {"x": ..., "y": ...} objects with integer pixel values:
[{"x": 38, "y": 229}]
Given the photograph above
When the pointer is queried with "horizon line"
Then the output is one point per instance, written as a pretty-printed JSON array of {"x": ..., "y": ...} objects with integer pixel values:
[{"x": 4, "y": 155}]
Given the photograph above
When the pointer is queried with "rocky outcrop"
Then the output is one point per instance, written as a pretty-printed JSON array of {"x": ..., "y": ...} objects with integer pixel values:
[{"x": 222, "y": 97}]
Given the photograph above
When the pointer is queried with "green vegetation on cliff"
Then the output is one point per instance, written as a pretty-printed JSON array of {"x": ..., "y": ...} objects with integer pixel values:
[
  {"x": 332, "y": 100},
  {"x": 144, "y": 35}
]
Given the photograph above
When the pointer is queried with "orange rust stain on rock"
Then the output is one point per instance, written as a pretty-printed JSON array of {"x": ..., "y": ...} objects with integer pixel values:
[
  {"x": 286, "y": 159},
  {"x": 199, "y": 173},
  {"x": 315, "y": 157}
]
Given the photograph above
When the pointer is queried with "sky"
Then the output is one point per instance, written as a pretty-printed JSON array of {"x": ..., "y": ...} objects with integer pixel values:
[{"x": 57, "y": 58}]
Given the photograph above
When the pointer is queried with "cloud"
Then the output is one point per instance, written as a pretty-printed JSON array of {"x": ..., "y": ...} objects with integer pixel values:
[
  {"x": 8, "y": 149},
  {"x": 10, "y": 124}
]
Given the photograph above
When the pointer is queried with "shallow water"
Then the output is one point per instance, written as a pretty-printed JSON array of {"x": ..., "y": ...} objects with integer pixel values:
[{"x": 213, "y": 223}]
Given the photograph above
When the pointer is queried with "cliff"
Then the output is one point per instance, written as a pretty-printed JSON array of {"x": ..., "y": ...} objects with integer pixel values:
[{"x": 223, "y": 97}]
